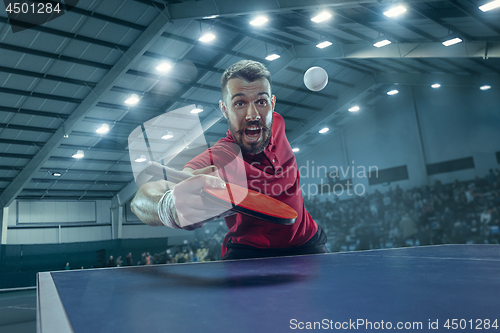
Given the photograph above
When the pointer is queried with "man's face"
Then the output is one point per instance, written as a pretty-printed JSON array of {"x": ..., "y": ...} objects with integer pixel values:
[{"x": 248, "y": 108}]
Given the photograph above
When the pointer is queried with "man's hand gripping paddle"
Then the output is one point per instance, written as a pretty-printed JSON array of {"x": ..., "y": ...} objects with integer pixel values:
[{"x": 233, "y": 197}]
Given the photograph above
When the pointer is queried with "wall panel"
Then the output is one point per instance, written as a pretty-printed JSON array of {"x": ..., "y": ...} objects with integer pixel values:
[{"x": 419, "y": 126}]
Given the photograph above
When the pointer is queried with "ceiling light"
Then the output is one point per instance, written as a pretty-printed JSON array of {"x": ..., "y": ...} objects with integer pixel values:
[
  {"x": 164, "y": 67},
  {"x": 132, "y": 100},
  {"x": 324, "y": 130},
  {"x": 395, "y": 11},
  {"x": 324, "y": 44},
  {"x": 452, "y": 41},
  {"x": 103, "y": 129},
  {"x": 197, "y": 110},
  {"x": 260, "y": 20},
  {"x": 272, "y": 56},
  {"x": 485, "y": 87},
  {"x": 79, "y": 154},
  {"x": 141, "y": 159},
  {"x": 323, "y": 16},
  {"x": 392, "y": 92},
  {"x": 66, "y": 136},
  {"x": 56, "y": 174},
  {"x": 381, "y": 43},
  {"x": 210, "y": 17},
  {"x": 295, "y": 150},
  {"x": 490, "y": 6},
  {"x": 355, "y": 108},
  {"x": 208, "y": 37},
  {"x": 167, "y": 136},
  {"x": 436, "y": 85}
]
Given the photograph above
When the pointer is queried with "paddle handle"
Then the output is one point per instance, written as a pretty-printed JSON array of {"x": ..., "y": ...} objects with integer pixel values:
[{"x": 162, "y": 172}]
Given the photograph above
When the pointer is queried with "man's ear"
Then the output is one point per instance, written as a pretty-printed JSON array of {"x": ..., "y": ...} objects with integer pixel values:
[
  {"x": 223, "y": 109},
  {"x": 273, "y": 101}
]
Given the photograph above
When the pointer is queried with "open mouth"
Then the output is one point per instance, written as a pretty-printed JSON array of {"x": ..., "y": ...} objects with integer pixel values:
[{"x": 252, "y": 133}]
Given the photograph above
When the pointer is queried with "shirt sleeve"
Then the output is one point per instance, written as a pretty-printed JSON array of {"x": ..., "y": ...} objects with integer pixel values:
[{"x": 200, "y": 161}]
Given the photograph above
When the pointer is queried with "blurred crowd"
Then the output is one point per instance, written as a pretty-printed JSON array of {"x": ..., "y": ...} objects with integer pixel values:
[
  {"x": 205, "y": 248},
  {"x": 456, "y": 213}
]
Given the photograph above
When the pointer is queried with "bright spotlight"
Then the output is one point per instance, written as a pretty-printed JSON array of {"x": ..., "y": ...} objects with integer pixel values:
[
  {"x": 163, "y": 67},
  {"x": 260, "y": 20},
  {"x": 103, "y": 129},
  {"x": 208, "y": 37},
  {"x": 79, "y": 154},
  {"x": 132, "y": 100},
  {"x": 395, "y": 11},
  {"x": 323, "y": 16}
]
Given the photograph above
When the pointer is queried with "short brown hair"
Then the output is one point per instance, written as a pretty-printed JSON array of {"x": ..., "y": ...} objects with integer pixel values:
[{"x": 248, "y": 70}]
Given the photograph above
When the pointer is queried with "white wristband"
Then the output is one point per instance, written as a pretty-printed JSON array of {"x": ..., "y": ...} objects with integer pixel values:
[
  {"x": 168, "y": 214},
  {"x": 166, "y": 211}
]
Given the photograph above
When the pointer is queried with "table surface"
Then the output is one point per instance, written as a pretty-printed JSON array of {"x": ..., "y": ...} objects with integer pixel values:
[{"x": 405, "y": 285}]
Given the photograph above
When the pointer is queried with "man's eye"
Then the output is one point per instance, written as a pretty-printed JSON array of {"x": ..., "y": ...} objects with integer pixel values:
[
  {"x": 262, "y": 102},
  {"x": 239, "y": 103}
]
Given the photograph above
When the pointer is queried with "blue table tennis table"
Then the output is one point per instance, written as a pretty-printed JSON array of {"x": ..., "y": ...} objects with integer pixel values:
[{"x": 430, "y": 289}]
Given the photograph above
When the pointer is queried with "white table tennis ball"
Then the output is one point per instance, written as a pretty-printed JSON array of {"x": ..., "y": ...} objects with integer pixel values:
[{"x": 316, "y": 78}]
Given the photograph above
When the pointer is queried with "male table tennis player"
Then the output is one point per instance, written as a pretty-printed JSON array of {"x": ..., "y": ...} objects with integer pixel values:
[{"x": 248, "y": 105}]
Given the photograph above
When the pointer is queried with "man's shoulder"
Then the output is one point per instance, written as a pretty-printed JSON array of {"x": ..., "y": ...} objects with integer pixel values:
[
  {"x": 278, "y": 126},
  {"x": 223, "y": 150},
  {"x": 220, "y": 146},
  {"x": 222, "y": 142},
  {"x": 278, "y": 119}
]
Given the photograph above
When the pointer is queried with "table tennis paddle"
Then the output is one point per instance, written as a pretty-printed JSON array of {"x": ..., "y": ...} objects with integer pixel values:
[{"x": 233, "y": 197}]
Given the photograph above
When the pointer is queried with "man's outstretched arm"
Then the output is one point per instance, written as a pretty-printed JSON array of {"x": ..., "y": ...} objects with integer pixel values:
[
  {"x": 184, "y": 204},
  {"x": 145, "y": 203}
]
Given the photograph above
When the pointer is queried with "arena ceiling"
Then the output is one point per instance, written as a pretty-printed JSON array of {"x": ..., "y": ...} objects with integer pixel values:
[{"x": 60, "y": 81}]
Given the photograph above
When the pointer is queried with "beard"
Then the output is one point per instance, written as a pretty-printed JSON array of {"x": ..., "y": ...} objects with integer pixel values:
[{"x": 252, "y": 148}]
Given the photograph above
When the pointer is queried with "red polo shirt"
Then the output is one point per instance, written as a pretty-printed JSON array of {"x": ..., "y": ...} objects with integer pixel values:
[{"x": 273, "y": 172}]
